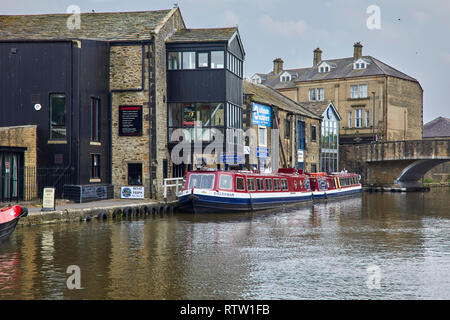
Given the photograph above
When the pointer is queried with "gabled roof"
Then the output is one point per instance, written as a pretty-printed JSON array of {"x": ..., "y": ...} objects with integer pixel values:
[
  {"x": 95, "y": 26},
  {"x": 269, "y": 96},
  {"x": 342, "y": 68},
  {"x": 206, "y": 35},
  {"x": 319, "y": 107},
  {"x": 439, "y": 127}
]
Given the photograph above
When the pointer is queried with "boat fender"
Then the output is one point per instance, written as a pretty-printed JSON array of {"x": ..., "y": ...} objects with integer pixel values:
[
  {"x": 117, "y": 213},
  {"x": 24, "y": 212},
  {"x": 102, "y": 215}
]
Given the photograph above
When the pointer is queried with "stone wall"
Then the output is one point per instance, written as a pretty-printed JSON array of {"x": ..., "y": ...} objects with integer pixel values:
[{"x": 21, "y": 136}]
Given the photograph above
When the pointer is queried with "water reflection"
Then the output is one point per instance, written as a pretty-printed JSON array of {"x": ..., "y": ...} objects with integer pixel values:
[{"x": 313, "y": 251}]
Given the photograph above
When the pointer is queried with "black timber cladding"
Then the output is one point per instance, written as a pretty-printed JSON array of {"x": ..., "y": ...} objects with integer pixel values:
[{"x": 31, "y": 71}]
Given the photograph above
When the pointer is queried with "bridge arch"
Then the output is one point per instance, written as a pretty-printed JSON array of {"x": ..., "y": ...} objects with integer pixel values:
[{"x": 412, "y": 175}]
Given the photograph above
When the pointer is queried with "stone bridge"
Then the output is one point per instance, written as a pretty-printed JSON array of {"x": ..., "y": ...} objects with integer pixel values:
[{"x": 394, "y": 164}]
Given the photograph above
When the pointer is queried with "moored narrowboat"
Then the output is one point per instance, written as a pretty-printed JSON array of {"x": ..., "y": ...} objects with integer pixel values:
[
  {"x": 326, "y": 186},
  {"x": 8, "y": 220},
  {"x": 217, "y": 191}
]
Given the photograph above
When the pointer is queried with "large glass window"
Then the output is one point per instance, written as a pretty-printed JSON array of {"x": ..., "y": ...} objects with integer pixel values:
[
  {"x": 217, "y": 115},
  {"x": 201, "y": 181},
  {"x": 174, "y": 60},
  {"x": 188, "y": 60},
  {"x": 203, "y": 59},
  {"x": 217, "y": 59},
  {"x": 58, "y": 128}
]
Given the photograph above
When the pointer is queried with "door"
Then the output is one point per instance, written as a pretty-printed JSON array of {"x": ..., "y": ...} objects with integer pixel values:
[{"x": 300, "y": 144}]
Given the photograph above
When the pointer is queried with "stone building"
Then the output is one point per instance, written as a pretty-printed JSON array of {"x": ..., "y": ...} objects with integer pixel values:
[
  {"x": 93, "y": 90},
  {"x": 438, "y": 128},
  {"x": 285, "y": 133},
  {"x": 396, "y": 113}
]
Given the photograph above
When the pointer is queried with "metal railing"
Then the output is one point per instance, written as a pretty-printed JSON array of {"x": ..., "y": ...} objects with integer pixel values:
[{"x": 169, "y": 183}]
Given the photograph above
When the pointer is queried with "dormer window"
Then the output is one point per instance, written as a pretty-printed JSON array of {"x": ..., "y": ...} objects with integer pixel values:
[
  {"x": 360, "y": 64},
  {"x": 324, "y": 67},
  {"x": 285, "y": 77}
]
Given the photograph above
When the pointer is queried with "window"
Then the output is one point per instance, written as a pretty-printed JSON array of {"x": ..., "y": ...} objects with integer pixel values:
[
  {"x": 217, "y": 59},
  {"x": 188, "y": 60},
  {"x": 135, "y": 174},
  {"x": 203, "y": 59},
  {"x": 313, "y": 167},
  {"x": 358, "y": 118},
  {"x": 367, "y": 119},
  {"x": 251, "y": 185},
  {"x": 276, "y": 184},
  {"x": 240, "y": 184},
  {"x": 322, "y": 69},
  {"x": 174, "y": 60},
  {"x": 95, "y": 166},
  {"x": 269, "y": 184},
  {"x": 201, "y": 181},
  {"x": 313, "y": 132},
  {"x": 262, "y": 136},
  {"x": 327, "y": 69},
  {"x": 312, "y": 94},
  {"x": 320, "y": 94},
  {"x": 284, "y": 184},
  {"x": 350, "y": 119},
  {"x": 287, "y": 128},
  {"x": 353, "y": 92},
  {"x": 226, "y": 182},
  {"x": 95, "y": 119},
  {"x": 260, "y": 184},
  {"x": 58, "y": 116},
  {"x": 363, "y": 91}
]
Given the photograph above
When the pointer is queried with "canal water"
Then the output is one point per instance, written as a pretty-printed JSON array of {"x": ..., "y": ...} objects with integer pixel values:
[{"x": 372, "y": 246}]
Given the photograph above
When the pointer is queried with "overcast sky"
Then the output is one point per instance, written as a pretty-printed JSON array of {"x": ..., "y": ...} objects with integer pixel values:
[{"x": 414, "y": 35}]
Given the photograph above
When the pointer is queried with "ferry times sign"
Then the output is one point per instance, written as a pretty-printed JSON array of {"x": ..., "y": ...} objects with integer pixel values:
[{"x": 261, "y": 115}]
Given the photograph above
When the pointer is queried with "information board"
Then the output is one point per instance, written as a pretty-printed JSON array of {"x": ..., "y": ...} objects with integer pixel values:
[
  {"x": 48, "y": 199},
  {"x": 130, "y": 120}
]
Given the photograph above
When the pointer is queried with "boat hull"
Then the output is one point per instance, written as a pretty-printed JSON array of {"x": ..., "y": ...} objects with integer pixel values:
[
  {"x": 8, "y": 222},
  {"x": 208, "y": 202},
  {"x": 327, "y": 194}
]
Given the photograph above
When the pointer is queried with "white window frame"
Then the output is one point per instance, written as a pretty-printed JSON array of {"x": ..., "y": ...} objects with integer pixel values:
[
  {"x": 314, "y": 96},
  {"x": 320, "y": 97},
  {"x": 350, "y": 119},
  {"x": 360, "y": 91},
  {"x": 358, "y": 118},
  {"x": 354, "y": 94}
]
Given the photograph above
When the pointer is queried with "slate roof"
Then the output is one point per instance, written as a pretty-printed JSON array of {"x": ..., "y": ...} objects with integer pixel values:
[
  {"x": 439, "y": 127},
  {"x": 342, "y": 68},
  {"x": 95, "y": 26},
  {"x": 318, "y": 107},
  {"x": 203, "y": 35},
  {"x": 269, "y": 96}
]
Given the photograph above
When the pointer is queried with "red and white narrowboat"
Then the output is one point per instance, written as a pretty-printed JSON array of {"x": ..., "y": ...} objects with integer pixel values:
[
  {"x": 325, "y": 185},
  {"x": 237, "y": 191}
]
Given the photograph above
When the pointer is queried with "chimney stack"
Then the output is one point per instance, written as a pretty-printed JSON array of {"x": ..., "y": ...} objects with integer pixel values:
[
  {"x": 357, "y": 52},
  {"x": 277, "y": 65},
  {"x": 317, "y": 56}
]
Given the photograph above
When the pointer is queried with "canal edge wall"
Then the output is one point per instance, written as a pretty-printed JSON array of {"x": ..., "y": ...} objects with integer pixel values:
[{"x": 99, "y": 213}]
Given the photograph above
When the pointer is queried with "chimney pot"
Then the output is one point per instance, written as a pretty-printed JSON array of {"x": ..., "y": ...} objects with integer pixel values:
[
  {"x": 357, "y": 52},
  {"x": 277, "y": 65},
  {"x": 317, "y": 56}
]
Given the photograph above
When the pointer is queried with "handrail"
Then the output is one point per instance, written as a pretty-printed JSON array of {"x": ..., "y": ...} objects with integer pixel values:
[{"x": 179, "y": 183}]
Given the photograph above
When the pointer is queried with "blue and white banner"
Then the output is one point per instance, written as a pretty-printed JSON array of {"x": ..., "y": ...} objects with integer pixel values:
[{"x": 261, "y": 115}]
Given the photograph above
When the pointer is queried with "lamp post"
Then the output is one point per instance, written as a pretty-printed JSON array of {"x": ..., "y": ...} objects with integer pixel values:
[{"x": 373, "y": 117}]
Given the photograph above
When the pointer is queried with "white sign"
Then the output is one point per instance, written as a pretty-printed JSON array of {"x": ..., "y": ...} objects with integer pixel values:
[
  {"x": 246, "y": 150},
  {"x": 300, "y": 155},
  {"x": 48, "y": 199},
  {"x": 37, "y": 107},
  {"x": 132, "y": 192}
]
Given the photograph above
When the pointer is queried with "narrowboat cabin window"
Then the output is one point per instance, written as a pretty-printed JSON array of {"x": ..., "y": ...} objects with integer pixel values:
[
  {"x": 251, "y": 185},
  {"x": 201, "y": 181},
  {"x": 276, "y": 184},
  {"x": 260, "y": 184},
  {"x": 240, "y": 184},
  {"x": 269, "y": 184},
  {"x": 58, "y": 116},
  {"x": 284, "y": 184},
  {"x": 226, "y": 182}
]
